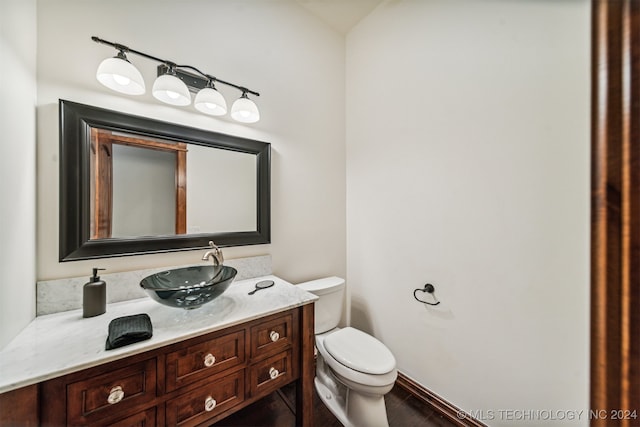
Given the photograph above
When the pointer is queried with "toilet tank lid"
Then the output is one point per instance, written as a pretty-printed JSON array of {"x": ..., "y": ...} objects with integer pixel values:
[
  {"x": 360, "y": 351},
  {"x": 323, "y": 286}
]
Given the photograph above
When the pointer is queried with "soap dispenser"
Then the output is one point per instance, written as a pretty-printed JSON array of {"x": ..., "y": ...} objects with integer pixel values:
[{"x": 94, "y": 296}]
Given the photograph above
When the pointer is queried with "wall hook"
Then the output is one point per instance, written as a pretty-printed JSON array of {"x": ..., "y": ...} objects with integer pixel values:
[{"x": 428, "y": 288}]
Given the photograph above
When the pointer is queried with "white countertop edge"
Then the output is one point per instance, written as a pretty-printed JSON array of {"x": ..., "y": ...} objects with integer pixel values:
[{"x": 62, "y": 343}]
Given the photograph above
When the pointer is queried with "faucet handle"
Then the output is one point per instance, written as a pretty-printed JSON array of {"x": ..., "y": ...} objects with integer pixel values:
[{"x": 217, "y": 253}]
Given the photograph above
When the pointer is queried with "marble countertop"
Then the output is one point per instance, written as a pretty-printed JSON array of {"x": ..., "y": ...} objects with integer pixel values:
[{"x": 58, "y": 344}]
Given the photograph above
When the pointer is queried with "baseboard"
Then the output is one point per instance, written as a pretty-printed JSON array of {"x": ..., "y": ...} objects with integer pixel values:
[{"x": 437, "y": 403}]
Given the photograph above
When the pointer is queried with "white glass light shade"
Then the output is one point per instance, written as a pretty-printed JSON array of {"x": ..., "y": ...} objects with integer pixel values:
[
  {"x": 245, "y": 110},
  {"x": 171, "y": 90},
  {"x": 120, "y": 75},
  {"x": 210, "y": 101}
]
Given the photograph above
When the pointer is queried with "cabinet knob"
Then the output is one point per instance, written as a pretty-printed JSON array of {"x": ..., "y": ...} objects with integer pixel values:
[
  {"x": 209, "y": 404},
  {"x": 273, "y": 373},
  {"x": 274, "y": 336},
  {"x": 209, "y": 360},
  {"x": 115, "y": 395}
]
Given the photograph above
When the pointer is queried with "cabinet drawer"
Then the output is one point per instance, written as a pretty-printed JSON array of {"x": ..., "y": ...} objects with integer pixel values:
[
  {"x": 99, "y": 397},
  {"x": 195, "y": 407},
  {"x": 270, "y": 374},
  {"x": 201, "y": 360},
  {"x": 271, "y": 336},
  {"x": 141, "y": 419}
]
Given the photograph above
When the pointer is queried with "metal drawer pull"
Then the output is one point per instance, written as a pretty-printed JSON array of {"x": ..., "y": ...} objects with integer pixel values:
[
  {"x": 209, "y": 404},
  {"x": 115, "y": 395},
  {"x": 274, "y": 336},
  {"x": 209, "y": 360},
  {"x": 273, "y": 373}
]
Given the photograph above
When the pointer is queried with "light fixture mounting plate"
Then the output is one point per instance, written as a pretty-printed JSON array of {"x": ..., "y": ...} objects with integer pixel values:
[{"x": 193, "y": 81}]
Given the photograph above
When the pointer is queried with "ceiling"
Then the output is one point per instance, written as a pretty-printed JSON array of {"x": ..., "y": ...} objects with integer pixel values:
[{"x": 342, "y": 15}]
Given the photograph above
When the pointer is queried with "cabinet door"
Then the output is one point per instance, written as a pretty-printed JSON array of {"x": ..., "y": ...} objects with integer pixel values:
[
  {"x": 98, "y": 398},
  {"x": 201, "y": 360},
  {"x": 205, "y": 402}
]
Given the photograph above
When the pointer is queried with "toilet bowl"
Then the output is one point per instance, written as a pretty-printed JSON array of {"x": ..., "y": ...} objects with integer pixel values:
[{"x": 354, "y": 370}]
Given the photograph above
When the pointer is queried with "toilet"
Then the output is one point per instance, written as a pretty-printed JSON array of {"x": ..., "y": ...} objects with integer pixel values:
[{"x": 353, "y": 369}]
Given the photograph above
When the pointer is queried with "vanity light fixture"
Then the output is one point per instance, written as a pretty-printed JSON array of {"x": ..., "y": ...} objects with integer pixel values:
[
  {"x": 210, "y": 101},
  {"x": 174, "y": 84},
  {"x": 119, "y": 74},
  {"x": 245, "y": 110},
  {"x": 169, "y": 89}
]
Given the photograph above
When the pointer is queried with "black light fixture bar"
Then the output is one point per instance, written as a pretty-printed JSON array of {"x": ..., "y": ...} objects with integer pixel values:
[{"x": 193, "y": 81}]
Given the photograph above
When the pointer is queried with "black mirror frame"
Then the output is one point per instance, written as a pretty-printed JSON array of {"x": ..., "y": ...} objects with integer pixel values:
[{"x": 75, "y": 123}]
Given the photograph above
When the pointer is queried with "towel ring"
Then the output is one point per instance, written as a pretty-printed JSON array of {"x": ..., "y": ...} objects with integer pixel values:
[{"x": 428, "y": 288}]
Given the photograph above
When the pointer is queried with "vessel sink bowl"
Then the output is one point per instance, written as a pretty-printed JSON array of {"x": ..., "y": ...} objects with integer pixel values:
[{"x": 189, "y": 287}]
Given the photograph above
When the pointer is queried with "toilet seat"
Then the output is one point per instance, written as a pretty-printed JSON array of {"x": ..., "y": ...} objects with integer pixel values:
[
  {"x": 359, "y": 351},
  {"x": 351, "y": 375}
]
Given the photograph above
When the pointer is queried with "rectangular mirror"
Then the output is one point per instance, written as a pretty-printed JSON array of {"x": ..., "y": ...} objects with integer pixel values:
[{"x": 131, "y": 185}]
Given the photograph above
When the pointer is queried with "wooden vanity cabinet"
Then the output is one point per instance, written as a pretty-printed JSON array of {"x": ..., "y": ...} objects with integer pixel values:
[
  {"x": 195, "y": 382},
  {"x": 20, "y": 407}
]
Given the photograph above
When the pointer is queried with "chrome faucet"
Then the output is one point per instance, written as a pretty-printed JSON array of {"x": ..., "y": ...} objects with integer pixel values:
[{"x": 215, "y": 253}]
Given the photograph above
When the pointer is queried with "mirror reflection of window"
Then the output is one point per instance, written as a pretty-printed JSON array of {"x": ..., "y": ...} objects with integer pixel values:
[{"x": 144, "y": 192}]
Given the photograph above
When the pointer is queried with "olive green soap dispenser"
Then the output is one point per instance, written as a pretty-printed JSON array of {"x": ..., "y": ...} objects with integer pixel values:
[{"x": 94, "y": 296}]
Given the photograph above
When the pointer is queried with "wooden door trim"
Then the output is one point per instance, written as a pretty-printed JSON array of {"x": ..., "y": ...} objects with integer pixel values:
[
  {"x": 103, "y": 137},
  {"x": 615, "y": 210},
  {"x": 101, "y": 185}
]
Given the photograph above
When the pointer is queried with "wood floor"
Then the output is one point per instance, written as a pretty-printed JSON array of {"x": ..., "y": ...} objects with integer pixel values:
[{"x": 277, "y": 410}]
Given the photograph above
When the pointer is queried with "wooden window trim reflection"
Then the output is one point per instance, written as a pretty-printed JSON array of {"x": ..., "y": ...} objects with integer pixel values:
[{"x": 102, "y": 141}]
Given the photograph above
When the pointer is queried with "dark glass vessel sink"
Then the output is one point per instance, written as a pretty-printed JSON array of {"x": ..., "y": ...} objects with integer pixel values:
[{"x": 189, "y": 287}]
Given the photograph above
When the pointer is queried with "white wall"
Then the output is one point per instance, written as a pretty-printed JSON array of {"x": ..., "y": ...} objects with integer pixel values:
[
  {"x": 17, "y": 165},
  {"x": 275, "y": 47},
  {"x": 468, "y": 168}
]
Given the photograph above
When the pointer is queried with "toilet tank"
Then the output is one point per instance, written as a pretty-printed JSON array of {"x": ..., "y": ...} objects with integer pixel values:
[{"x": 328, "y": 307}]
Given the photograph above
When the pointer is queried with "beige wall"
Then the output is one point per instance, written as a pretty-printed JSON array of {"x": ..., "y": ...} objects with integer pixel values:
[
  {"x": 275, "y": 47},
  {"x": 17, "y": 165},
  {"x": 468, "y": 168}
]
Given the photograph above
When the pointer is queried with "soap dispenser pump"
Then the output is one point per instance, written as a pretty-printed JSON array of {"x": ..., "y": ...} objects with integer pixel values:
[{"x": 94, "y": 296}]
